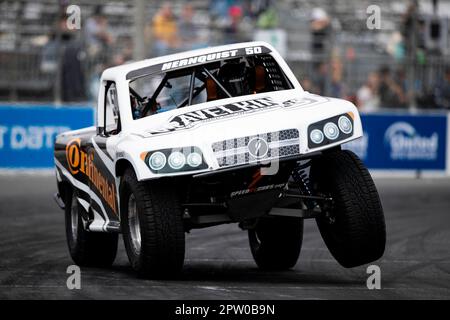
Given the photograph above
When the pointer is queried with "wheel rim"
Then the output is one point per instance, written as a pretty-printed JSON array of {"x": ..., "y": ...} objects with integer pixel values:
[
  {"x": 133, "y": 221},
  {"x": 74, "y": 218}
]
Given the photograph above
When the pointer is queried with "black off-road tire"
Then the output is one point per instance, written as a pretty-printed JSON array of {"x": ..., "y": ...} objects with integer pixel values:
[
  {"x": 276, "y": 242},
  {"x": 91, "y": 249},
  {"x": 160, "y": 216},
  {"x": 355, "y": 231}
]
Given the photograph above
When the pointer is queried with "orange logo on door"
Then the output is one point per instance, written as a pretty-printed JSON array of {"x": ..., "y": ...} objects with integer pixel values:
[
  {"x": 76, "y": 158},
  {"x": 78, "y": 161}
]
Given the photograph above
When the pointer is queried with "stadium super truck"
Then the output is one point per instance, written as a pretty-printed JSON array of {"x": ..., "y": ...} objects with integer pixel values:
[{"x": 213, "y": 136}]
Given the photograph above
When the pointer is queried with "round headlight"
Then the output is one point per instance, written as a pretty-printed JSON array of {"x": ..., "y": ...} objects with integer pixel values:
[
  {"x": 177, "y": 160},
  {"x": 345, "y": 125},
  {"x": 194, "y": 159},
  {"x": 316, "y": 136},
  {"x": 331, "y": 131},
  {"x": 157, "y": 161}
]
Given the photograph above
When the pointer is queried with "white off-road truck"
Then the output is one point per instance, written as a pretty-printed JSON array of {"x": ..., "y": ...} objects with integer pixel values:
[{"x": 213, "y": 136}]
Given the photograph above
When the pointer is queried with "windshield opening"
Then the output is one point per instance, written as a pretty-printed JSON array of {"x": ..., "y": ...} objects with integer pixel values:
[{"x": 228, "y": 78}]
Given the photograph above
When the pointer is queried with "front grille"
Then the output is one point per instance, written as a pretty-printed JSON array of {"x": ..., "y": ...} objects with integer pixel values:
[{"x": 280, "y": 144}]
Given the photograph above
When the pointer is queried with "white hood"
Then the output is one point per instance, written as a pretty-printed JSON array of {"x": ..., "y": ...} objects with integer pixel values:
[{"x": 230, "y": 114}]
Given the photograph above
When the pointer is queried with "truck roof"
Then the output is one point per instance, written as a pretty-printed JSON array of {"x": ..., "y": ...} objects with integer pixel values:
[{"x": 133, "y": 70}]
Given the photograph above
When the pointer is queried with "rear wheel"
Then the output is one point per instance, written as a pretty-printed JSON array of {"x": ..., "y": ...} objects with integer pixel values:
[
  {"x": 152, "y": 226},
  {"x": 275, "y": 242},
  {"x": 87, "y": 248},
  {"x": 354, "y": 230}
]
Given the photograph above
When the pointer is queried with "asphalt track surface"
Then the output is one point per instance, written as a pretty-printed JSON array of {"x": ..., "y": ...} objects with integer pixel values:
[{"x": 416, "y": 265}]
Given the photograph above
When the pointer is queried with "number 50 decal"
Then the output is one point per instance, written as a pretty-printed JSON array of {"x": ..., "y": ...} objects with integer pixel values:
[{"x": 253, "y": 50}]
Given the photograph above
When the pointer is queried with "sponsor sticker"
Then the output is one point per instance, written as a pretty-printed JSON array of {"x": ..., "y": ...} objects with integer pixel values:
[
  {"x": 257, "y": 189},
  {"x": 190, "y": 119},
  {"x": 79, "y": 162}
]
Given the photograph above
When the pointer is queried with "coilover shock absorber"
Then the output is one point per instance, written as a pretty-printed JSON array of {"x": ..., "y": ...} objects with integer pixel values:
[{"x": 300, "y": 174}]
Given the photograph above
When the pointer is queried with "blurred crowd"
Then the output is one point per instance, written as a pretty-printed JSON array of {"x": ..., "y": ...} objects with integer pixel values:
[
  {"x": 164, "y": 33},
  {"x": 383, "y": 89},
  {"x": 169, "y": 33},
  {"x": 77, "y": 57},
  {"x": 388, "y": 87}
]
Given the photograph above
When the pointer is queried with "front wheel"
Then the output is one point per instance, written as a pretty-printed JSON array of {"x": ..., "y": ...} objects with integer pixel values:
[
  {"x": 354, "y": 229},
  {"x": 275, "y": 242},
  {"x": 152, "y": 226}
]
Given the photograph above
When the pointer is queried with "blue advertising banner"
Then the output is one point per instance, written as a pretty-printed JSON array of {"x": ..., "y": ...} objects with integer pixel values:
[
  {"x": 27, "y": 132},
  {"x": 390, "y": 142},
  {"x": 403, "y": 142}
]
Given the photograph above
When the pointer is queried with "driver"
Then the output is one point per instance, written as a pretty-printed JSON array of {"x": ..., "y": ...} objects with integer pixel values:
[{"x": 234, "y": 76}]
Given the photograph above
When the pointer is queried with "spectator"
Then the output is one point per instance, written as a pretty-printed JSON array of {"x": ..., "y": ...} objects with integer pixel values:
[
  {"x": 98, "y": 38},
  {"x": 395, "y": 46},
  {"x": 125, "y": 54},
  {"x": 320, "y": 78},
  {"x": 165, "y": 31},
  {"x": 320, "y": 31},
  {"x": 401, "y": 79},
  {"x": 442, "y": 91},
  {"x": 189, "y": 33},
  {"x": 257, "y": 7},
  {"x": 391, "y": 94},
  {"x": 337, "y": 87},
  {"x": 408, "y": 23},
  {"x": 64, "y": 51},
  {"x": 232, "y": 31},
  {"x": 367, "y": 96},
  {"x": 267, "y": 17},
  {"x": 219, "y": 8},
  {"x": 98, "y": 43}
]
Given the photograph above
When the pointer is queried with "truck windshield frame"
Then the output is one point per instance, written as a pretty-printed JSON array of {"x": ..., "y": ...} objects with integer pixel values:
[{"x": 206, "y": 82}]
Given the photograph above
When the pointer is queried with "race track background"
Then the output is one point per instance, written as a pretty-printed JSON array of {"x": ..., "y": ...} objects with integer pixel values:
[{"x": 34, "y": 257}]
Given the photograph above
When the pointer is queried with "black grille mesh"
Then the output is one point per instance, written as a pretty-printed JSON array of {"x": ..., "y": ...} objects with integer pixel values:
[{"x": 241, "y": 155}]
